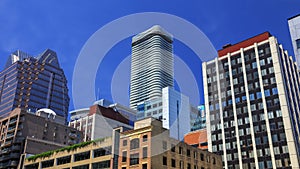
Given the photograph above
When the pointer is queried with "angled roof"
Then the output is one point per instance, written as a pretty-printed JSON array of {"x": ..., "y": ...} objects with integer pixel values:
[{"x": 48, "y": 56}]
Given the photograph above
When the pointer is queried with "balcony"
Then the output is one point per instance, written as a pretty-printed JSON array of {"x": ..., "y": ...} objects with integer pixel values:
[
  {"x": 11, "y": 129},
  {"x": 12, "y": 121},
  {"x": 10, "y": 135}
]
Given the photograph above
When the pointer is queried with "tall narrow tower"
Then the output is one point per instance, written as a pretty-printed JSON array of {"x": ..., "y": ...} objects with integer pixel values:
[{"x": 151, "y": 65}]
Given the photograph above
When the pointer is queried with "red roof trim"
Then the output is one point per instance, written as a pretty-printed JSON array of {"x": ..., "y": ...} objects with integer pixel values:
[{"x": 244, "y": 44}]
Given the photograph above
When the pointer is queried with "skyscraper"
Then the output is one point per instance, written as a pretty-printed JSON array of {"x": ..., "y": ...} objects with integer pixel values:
[
  {"x": 151, "y": 65},
  {"x": 33, "y": 83},
  {"x": 252, "y": 105},
  {"x": 294, "y": 25}
]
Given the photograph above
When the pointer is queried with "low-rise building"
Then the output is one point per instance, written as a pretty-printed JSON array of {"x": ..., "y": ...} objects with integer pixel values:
[
  {"x": 27, "y": 133},
  {"x": 93, "y": 154},
  {"x": 149, "y": 146},
  {"x": 99, "y": 122}
]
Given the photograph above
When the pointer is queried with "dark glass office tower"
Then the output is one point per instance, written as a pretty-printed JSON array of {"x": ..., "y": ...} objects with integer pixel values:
[{"x": 33, "y": 83}]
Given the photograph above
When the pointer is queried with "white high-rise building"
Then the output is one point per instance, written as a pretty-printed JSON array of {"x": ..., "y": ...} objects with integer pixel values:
[
  {"x": 252, "y": 105},
  {"x": 152, "y": 65},
  {"x": 294, "y": 25}
]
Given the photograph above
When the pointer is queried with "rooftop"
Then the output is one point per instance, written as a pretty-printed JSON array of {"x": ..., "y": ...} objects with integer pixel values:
[
  {"x": 294, "y": 16},
  {"x": 154, "y": 30},
  {"x": 245, "y": 43}
]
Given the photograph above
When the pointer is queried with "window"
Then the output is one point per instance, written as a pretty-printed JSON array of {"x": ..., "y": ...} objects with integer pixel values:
[
  {"x": 271, "y": 70},
  {"x": 124, "y": 142},
  {"x": 262, "y": 62},
  {"x": 181, "y": 165},
  {"x": 103, "y": 164},
  {"x": 274, "y": 91},
  {"x": 124, "y": 156},
  {"x": 202, "y": 157},
  {"x": 173, "y": 148},
  {"x": 81, "y": 167},
  {"x": 46, "y": 164},
  {"x": 102, "y": 151},
  {"x": 64, "y": 160},
  {"x": 188, "y": 166},
  {"x": 180, "y": 150},
  {"x": 134, "y": 159},
  {"x": 135, "y": 143},
  {"x": 258, "y": 95},
  {"x": 252, "y": 96},
  {"x": 82, "y": 156},
  {"x": 165, "y": 161},
  {"x": 298, "y": 43},
  {"x": 165, "y": 146},
  {"x": 237, "y": 100},
  {"x": 188, "y": 152},
  {"x": 264, "y": 72},
  {"x": 145, "y": 152},
  {"x": 270, "y": 115},
  {"x": 145, "y": 138},
  {"x": 173, "y": 163},
  {"x": 254, "y": 65},
  {"x": 144, "y": 166},
  {"x": 267, "y": 93}
]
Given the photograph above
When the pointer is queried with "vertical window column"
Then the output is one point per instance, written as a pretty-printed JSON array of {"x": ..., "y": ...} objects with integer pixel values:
[
  {"x": 249, "y": 109},
  {"x": 265, "y": 106}
]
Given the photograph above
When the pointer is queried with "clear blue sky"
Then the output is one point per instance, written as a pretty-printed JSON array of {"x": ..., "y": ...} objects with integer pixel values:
[{"x": 65, "y": 26}]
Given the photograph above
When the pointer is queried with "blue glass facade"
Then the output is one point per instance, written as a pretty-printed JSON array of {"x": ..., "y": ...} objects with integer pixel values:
[{"x": 33, "y": 83}]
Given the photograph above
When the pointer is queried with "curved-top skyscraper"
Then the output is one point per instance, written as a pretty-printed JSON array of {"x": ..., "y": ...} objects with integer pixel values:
[{"x": 151, "y": 65}]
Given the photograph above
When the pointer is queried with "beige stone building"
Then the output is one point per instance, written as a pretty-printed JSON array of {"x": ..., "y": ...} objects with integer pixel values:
[
  {"x": 149, "y": 146},
  {"x": 87, "y": 155}
]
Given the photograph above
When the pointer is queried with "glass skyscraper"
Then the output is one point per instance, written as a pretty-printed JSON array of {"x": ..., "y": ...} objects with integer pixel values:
[
  {"x": 252, "y": 105},
  {"x": 151, "y": 65},
  {"x": 33, "y": 83}
]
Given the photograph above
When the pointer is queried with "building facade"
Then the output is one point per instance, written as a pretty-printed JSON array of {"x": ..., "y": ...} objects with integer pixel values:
[
  {"x": 149, "y": 146},
  {"x": 174, "y": 109},
  {"x": 200, "y": 121},
  {"x": 252, "y": 105},
  {"x": 99, "y": 122},
  {"x": 125, "y": 111},
  {"x": 27, "y": 133},
  {"x": 294, "y": 26},
  {"x": 152, "y": 65},
  {"x": 33, "y": 83},
  {"x": 87, "y": 155}
]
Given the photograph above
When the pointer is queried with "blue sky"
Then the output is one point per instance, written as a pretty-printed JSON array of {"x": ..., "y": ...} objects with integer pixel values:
[{"x": 65, "y": 26}]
